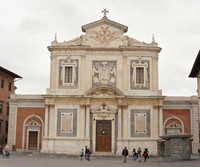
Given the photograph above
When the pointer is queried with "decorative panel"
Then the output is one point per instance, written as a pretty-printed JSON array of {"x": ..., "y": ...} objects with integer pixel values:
[
  {"x": 67, "y": 122},
  {"x": 140, "y": 123}
]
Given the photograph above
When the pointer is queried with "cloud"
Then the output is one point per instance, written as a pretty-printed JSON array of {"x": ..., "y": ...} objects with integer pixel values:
[{"x": 32, "y": 26}]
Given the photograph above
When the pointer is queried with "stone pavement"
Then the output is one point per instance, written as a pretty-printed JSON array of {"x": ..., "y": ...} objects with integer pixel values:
[{"x": 38, "y": 160}]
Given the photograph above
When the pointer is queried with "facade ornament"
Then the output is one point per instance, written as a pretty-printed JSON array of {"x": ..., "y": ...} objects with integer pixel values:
[
  {"x": 55, "y": 40},
  {"x": 153, "y": 41},
  {"x": 103, "y": 111},
  {"x": 105, "y": 73},
  {"x": 104, "y": 35},
  {"x": 105, "y": 11}
]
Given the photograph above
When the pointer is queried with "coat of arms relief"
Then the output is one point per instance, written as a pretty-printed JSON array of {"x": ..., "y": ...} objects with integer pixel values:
[{"x": 104, "y": 73}]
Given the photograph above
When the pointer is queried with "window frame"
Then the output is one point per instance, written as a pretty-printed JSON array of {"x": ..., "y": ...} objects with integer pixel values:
[
  {"x": 2, "y": 83},
  {"x": 1, "y": 108},
  {"x": 9, "y": 86}
]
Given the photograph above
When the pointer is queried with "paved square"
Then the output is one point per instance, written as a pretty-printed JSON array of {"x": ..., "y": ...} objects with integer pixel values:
[{"x": 30, "y": 160}]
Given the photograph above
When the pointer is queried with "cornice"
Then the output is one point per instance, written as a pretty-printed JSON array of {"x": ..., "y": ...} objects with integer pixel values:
[{"x": 87, "y": 48}]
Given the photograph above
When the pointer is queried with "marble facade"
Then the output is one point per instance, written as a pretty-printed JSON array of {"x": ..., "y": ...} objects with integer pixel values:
[{"x": 102, "y": 75}]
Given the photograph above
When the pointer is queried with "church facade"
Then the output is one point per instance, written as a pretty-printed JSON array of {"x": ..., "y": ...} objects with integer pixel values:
[{"x": 103, "y": 94}]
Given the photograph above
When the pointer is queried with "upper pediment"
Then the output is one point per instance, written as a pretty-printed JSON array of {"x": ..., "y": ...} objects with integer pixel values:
[
  {"x": 104, "y": 33},
  {"x": 104, "y": 21}
]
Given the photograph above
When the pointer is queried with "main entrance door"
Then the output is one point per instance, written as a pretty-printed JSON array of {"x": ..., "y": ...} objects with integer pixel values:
[
  {"x": 103, "y": 135},
  {"x": 33, "y": 137}
]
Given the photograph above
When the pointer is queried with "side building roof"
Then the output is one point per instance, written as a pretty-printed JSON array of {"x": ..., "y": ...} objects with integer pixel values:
[
  {"x": 9, "y": 72},
  {"x": 196, "y": 67}
]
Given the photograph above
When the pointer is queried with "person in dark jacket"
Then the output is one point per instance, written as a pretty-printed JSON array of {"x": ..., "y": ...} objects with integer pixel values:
[
  {"x": 125, "y": 154},
  {"x": 87, "y": 153}
]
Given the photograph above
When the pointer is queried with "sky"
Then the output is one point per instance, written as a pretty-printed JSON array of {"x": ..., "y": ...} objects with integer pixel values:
[{"x": 27, "y": 27}]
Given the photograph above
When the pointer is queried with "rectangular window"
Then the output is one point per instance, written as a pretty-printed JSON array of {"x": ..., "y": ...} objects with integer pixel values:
[
  {"x": 1, "y": 122},
  {"x": 6, "y": 129},
  {"x": 2, "y": 83},
  {"x": 139, "y": 75},
  {"x": 68, "y": 74},
  {"x": 9, "y": 86},
  {"x": 1, "y": 108},
  {"x": 8, "y": 109}
]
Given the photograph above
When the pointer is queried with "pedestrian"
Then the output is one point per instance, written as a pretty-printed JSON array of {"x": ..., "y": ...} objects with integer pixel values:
[
  {"x": 139, "y": 151},
  {"x": 125, "y": 154},
  {"x": 81, "y": 155},
  {"x": 199, "y": 151},
  {"x": 86, "y": 153},
  {"x": 145, "y": 154},
  {"x": 134, "y": 154},
  {"x": 90, "y": 152}
]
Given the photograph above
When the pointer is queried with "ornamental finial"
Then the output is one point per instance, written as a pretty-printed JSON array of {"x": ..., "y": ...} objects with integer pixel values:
[{"x": 105, "y": 11}]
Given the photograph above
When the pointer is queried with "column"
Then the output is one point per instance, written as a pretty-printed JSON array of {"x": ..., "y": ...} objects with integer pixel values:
[
  {"x": 46, "y": 127},
  {"x": 87, "y": 128},
  {"x": 119, "y": 122},
  {"x": 161, "y": 120},
  {"x": 12, "y": 124}
]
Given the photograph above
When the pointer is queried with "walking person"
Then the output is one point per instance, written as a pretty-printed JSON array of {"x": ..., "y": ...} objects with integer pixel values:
[
  {"x": 86, "y": 153},
  {"x": 139, "y": 151},
  {"x": 145, "y": 154},
  {"x": 134, "y": 154},
  {"x": 125, "y": 154},
  {"x": 81, "y": 155}
]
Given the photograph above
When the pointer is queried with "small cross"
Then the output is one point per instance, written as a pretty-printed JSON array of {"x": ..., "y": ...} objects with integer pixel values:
[
  {"x": 104, "y": 105},
  {"x": 104, "y": 11}
]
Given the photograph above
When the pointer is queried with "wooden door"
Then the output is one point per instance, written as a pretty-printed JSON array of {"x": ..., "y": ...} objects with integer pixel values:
[
  {"x": 103, "y": 136},
  {"x": 33, "y": 138}
]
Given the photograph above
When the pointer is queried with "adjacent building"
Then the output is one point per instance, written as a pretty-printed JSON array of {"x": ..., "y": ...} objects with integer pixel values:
[
  {"x": 195, "y": 73},
  {"x": 104, "y": 93},
  {"x": 7, "y": 80}
]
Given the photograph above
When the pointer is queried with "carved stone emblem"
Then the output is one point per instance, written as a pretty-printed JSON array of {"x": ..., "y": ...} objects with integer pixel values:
[
  {"x": 105, "y": 35},
  {"x": 104, "y": 73},
  {"x": 103, "y": 111}
]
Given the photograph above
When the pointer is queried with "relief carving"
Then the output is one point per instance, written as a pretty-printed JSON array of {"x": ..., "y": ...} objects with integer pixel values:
[{"x": 104, "y": 73}]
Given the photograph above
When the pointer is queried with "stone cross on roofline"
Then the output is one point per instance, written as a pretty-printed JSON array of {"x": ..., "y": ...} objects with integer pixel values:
[{"x": 104, "y": 11}]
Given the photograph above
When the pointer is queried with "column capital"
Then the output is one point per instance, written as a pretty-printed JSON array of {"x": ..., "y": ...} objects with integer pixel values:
[
  {"x": 122, "y": 103},
  {"x": 50, "y": 102},
  {"x": 85, "y": 102}
]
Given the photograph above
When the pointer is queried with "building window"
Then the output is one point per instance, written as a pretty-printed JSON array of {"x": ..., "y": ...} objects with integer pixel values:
[
  {"x": 1, "y": 108},
  {"x": 8, "y": 109},
  {"x": 139, "y": 75},
  {"x": 68, "y": 74},
  {"x": 6, "y": 129},
  {"x": 9, "y": 86},
  {"x": 2, "y": 83},
  {"x": 1, "y": 122}
]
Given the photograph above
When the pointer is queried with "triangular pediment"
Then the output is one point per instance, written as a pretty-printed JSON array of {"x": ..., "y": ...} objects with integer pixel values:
[
  {"x": 104, "y": 33},
  {"x": 104, "y": 21}
]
